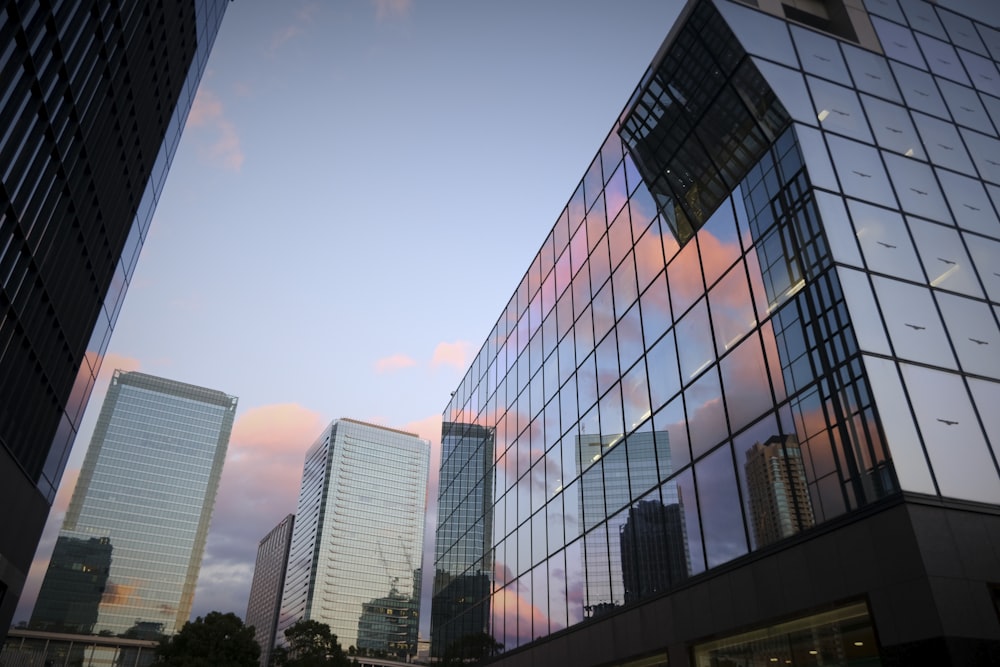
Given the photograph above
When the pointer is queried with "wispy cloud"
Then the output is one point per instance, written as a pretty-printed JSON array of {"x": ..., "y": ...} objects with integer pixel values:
[
  {"x": 284, "y": 35},
  {"x": 388, "y": 10},
  {"x": 300, "y": 22},
  {"x": 394, "y": 362},
  {"x": 455, "y": 354},
  {"x": 222, "y": 147}
]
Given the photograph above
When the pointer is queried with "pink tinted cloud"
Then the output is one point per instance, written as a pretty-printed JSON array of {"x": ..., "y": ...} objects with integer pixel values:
[
  {"x": 386, "y": 10},
  {"x": 221, "y": 145},
  {"x": 429, "y": 428},
  {"x": 394, "y": 362},
  {"x": 109, "y": 363},
  {"x": 520, "y": 620},
  {"x": 263, "y": 470},
  {"x": 268, "y": 445},
  {"x": 455, "y": 354},
  {"x": 259, "y": 486}
]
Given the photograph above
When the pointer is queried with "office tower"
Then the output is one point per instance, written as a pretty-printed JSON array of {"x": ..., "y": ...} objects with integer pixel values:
[
  {"x": 790, "y": 237},
  {"x": 777, "y": 488},
  {"x": 146, "y": 492},
  {"x": 463, "y": 553},
  {"x": 358, "y": 532},
  {"x": 268, "y": 583},
  {"x": 93, "y": 97}
]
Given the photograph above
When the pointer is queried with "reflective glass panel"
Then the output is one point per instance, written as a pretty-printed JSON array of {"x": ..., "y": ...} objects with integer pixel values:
[
  {"x": 960, "y": 457},
  {"x": 919, "y": 90},
  {"x": 974, "y": 334},
  {"x": 965, "y": 107},
  {"x": 892, "y": 127},
  {"x": 721, "y": 515},
  {"x": 943, "y": 144},
  {"x": 969, "y": 203},
  {"x": 942, "y": 58},
  {"x": 944, "y": 257},
  {"x": 986, "y": 258},
  {"x": 861, "y": 172},
  {"x": 898, "y": 42},
  {"x": 916, "y": 187},
  {"x": 914, "y": 327},
  {"x": 871, "y": 73},
  {"x": 838, "y": 110}
]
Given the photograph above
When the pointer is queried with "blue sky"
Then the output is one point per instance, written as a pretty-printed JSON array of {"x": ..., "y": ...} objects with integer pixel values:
[{"x": 360, "y": 187}]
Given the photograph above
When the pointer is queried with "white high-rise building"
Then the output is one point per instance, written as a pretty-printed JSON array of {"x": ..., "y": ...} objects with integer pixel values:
[{"x": 359, "y": 527}]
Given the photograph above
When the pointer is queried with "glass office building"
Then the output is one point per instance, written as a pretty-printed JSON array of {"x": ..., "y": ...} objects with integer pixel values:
[
  {"x": 742, "y": 405},
  {"x": 144, "y": 497},
  {"x": 93, "y": 98},
  {"x": 268, "y": 584},
  {"x": 358, "y": 536}
]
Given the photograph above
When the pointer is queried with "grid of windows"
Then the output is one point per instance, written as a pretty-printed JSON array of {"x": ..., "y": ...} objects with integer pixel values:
[
  {"x": 146, "y": 492},
  {"x": 268, "y": 583},
  {"x": 93, "y": 97},
  {"x": 358, "y": 535},
  {"x": 742, "y": 328}
]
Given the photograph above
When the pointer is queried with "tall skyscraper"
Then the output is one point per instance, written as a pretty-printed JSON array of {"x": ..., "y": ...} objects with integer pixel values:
[
  {"x": 463, "y": 554},
  {"x": 93, "y": 98},
  {"x": 267, "y": 585},
  {"x": 358, "y": 533},
  {"x": 783, "y": 258},
  {"x": 145, "y": 492}
]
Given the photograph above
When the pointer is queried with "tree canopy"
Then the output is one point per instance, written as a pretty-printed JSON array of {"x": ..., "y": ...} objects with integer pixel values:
[
  {"x": 311, "y": 644},
  {"x": 472, "y": 648},
  {"x": 217, "y": 640}
]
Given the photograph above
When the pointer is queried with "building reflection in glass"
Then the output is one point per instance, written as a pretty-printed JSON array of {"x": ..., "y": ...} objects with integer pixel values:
[
  {"x": 388, "y": 625},
  {"x": 654, "y": 548},
  {"x": 643, "y": 548},
  {"x": 779, "y": 494},
  {"x": 463, "y": 553},
  {"x": 71, "y": 592},
  {"x": 735, "y": 270}
]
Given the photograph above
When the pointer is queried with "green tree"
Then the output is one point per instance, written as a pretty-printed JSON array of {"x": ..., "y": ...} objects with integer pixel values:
[
  {"x": 218, "y": 640},
  {"x": 311, "y": 644}
]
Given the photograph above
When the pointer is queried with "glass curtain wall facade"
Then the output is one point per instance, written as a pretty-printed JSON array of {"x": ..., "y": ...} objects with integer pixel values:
[
  {"x": 268, "y": 584},
  {"x": 146, "y": 492},
  {"x": 358, "y": 535},
  {"x": 771, "y": 302},
  {"x": 463, "y": 554},
  {"x": 93, "y": 98}
]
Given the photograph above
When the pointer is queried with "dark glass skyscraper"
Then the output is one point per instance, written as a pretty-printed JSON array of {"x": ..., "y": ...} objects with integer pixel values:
[
  {"x": 744, "y": 397},
  {"x": 268, "y": 583},
  {"x": 146, "y": 492},
  {"x": 462, "y": 546},
  {"x": 93, "y": 97}
]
